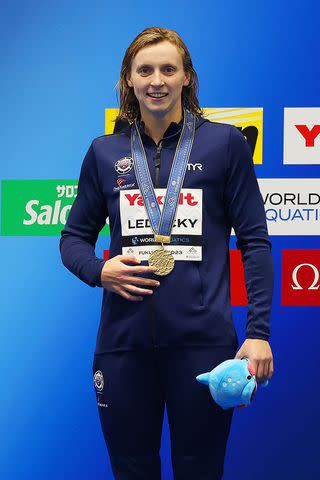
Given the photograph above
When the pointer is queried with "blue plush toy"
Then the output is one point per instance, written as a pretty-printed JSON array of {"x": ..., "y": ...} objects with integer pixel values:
[{"x": 232, "y": 383}]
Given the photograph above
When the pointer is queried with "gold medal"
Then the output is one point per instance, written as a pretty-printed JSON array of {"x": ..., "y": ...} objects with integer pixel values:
[{"x": 163, "y": 260}]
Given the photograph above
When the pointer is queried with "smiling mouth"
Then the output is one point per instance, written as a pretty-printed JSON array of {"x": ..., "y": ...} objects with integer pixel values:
[{"x": 157, "y": 95}]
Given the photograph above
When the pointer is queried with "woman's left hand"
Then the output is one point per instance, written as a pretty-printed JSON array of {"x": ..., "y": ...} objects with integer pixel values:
[{"x": 260, "y": 357}]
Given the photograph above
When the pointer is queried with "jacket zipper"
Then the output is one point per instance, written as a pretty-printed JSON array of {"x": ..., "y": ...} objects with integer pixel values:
[
  {"x": 154, "y": 329},
  {"x": 157, "y": 162}
]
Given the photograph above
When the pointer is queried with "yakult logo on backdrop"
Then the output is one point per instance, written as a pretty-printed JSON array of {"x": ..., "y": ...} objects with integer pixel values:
[
  {"x": 301, "y": 136},
  {"x": 301, "y": 277}
]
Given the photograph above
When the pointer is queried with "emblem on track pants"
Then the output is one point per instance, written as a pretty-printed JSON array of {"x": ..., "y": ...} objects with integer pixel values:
[{"x": 98, "y": 381}]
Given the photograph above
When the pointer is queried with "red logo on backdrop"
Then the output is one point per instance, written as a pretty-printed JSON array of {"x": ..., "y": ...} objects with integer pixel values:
[
  {"x": 309, "y": 135},
  {"x": 301, "y": 277},
  {"x": 237, "y": 280}
]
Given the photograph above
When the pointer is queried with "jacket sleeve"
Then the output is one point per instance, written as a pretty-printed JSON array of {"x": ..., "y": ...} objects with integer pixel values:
[
  {"x": 86, "y": 218},
  {"x": 247, "y": 216}
]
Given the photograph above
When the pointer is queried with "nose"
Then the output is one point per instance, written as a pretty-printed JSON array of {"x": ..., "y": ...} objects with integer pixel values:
[{"x": 156, "y": 79}]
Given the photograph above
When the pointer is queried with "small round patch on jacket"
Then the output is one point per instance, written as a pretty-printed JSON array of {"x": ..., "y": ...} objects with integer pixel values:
[
  {"x": 124, "y": 165},
  {"x": 98, "y": 381}
]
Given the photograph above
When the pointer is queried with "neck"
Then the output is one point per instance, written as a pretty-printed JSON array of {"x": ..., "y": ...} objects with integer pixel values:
[{"x": 155, "y": 126}]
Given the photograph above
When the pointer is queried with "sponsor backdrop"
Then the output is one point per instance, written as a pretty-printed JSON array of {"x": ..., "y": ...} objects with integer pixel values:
[{"x": 60, "y": 61}]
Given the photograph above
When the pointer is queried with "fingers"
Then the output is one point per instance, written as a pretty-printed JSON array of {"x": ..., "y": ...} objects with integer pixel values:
[
  {"x": 121, "y": 279},
  {"x": 137, "y": 290},
  {"x": 259, "y": 372},
  {"x": 264, "y": 370},
  {"x": 128, "y": 296},
  {"x": 132, "y": 292},
  {"x": 134, "y": 269},
  {"x": 128, "y": 258},
  {"x": 142, "y": 281},
  {"x": 271, "y": 369},
  {"x": 132, "y": 259},
  {"x": 238, "y": 355},
  {"x": 260, "y": 358}
]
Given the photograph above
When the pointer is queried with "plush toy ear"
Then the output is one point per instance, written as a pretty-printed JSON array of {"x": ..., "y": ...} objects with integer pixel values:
[{"x": 203, "y": 378}]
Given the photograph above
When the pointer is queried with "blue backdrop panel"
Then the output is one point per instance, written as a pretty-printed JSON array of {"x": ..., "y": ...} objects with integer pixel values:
[{"x": 60, "y": 62}]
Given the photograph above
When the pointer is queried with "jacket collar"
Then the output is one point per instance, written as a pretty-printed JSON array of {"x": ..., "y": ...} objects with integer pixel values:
[
  {"x": 170, "y": 136},
  {"x": 172, "y": 129}
]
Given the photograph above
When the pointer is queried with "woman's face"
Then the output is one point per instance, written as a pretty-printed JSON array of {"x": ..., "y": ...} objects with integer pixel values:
[{"x": 158, "y": 69}]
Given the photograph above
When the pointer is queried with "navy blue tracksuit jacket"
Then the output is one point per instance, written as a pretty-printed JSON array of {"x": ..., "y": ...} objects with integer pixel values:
[{"x": 220, "y": 191}]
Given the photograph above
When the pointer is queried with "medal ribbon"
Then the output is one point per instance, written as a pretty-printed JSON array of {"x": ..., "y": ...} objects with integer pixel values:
[{"x": 162, "y": 223}]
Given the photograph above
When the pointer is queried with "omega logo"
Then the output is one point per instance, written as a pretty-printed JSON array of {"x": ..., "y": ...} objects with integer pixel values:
[{"x": 297, "y": 285}]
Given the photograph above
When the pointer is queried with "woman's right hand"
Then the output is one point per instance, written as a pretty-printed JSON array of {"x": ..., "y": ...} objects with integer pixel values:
[{"x": 118, "y": 277}]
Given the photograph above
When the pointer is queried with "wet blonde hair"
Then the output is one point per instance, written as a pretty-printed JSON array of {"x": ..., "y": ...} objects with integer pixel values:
[{"x": 129, "y": 106}]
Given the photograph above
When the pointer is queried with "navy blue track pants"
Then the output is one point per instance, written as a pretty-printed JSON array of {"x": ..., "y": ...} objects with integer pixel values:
[{"x": 132, "y": 389}]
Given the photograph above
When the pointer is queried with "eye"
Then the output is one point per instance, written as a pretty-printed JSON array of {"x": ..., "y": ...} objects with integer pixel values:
[
  {"x": 169, "y": 69},
  {"x": 249, "y": 377},
  {"x": 144, "y": 70}
]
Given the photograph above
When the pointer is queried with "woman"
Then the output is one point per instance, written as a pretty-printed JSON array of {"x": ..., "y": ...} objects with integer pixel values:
[{"x": 173, "y": 184}]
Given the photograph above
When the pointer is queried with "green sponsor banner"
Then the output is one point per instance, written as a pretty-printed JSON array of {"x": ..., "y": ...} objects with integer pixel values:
[{"x": 37, "y": 207}]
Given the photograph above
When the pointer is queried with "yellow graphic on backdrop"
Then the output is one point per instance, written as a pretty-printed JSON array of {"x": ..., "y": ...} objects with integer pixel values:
[
  {"x": 110, "y": 115},
  {"x": 248, "y": 120}
]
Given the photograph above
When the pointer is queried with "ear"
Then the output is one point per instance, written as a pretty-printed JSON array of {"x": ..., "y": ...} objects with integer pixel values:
[
  {"x": 187, "y": 80},
  {"x": 128, "y": 80}
]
